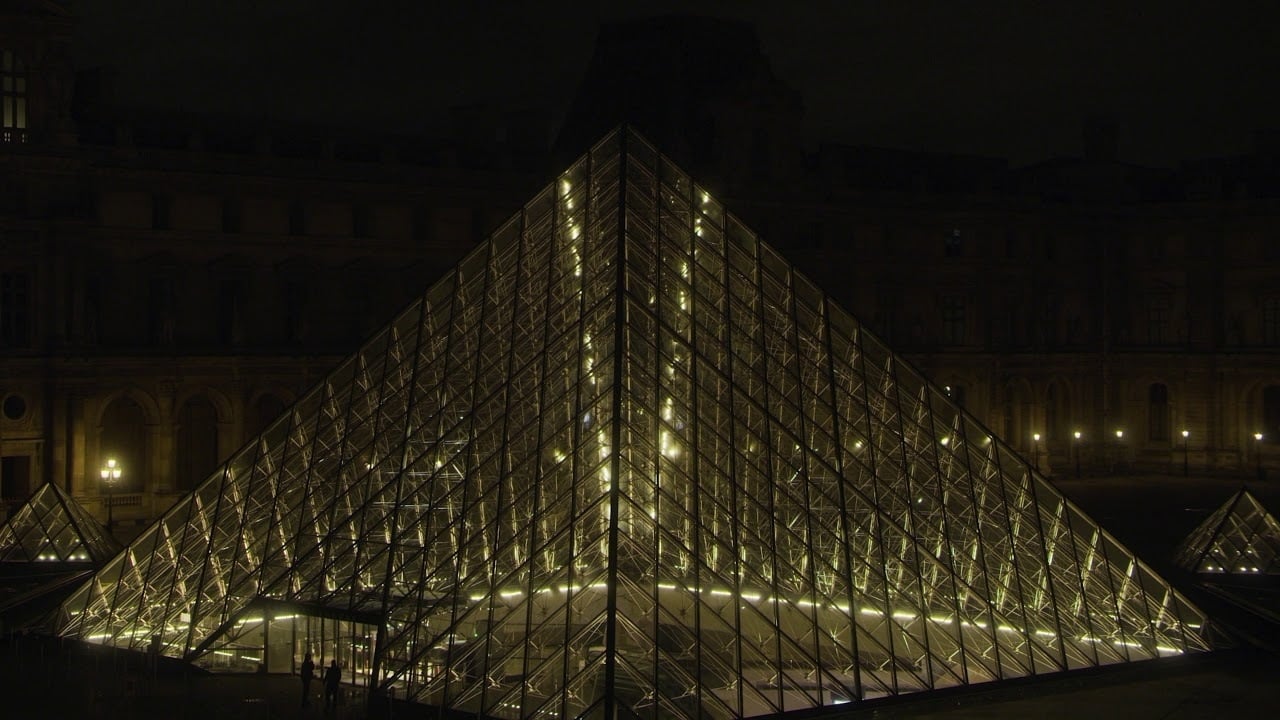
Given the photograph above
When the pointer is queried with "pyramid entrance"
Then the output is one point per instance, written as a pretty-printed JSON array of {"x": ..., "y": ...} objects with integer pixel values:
[
  {"x": 625, "y": 461},
  {"x": 276, "y": 637}
]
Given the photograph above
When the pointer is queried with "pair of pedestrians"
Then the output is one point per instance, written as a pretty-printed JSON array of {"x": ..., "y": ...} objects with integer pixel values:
[{"x": 332, "y": 681}]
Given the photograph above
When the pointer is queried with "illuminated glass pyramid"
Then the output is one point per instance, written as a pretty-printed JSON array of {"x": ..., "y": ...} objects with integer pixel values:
[
  {"x": 625, "y": 461},
  {"x": 52, "y": 527},
  {"x": 1239, "y": 538}
]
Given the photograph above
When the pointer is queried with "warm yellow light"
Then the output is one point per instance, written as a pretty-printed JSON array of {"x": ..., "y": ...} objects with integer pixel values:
[
  {"x": 1186, "y": 433},
  {"x": 1036, "y": 437},
  {"x": 110, "y": 471},
  {"x": 1257, "y": 436},
  {"x": 1077, "y": 434},
  {"x": 1119, "y": 434}
]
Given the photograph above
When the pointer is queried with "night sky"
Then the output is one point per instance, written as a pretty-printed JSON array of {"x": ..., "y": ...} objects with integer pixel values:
[{"x": 1012, "y": 79}]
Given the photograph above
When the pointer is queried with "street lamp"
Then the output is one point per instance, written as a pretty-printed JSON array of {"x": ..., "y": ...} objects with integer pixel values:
[
  {"x": 1036, "y": 455},
  {"x": 1075, "y": 445},
  {"x": 1258, "y": 454},
  {"x": 110, "y": 474},
  {"x": 1186, "y": 442},
  {"x": 1119, "y": 450}
]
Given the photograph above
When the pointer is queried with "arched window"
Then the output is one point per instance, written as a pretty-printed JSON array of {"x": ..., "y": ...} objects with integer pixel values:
[
  {"x": 124, "y": 439},
  {"x": 197, "y": 442},
  {"x": 265, "y": 410},
  {"x": 1271, "y": 414},
  {"x": 1158, "y": 412}
]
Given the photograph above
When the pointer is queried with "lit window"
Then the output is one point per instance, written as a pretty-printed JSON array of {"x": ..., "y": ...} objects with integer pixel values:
[{"x": 13, "y": 98}]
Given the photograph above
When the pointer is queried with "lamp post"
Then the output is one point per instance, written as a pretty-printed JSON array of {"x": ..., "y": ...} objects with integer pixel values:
[
  {"x": 1075, "y": 447},
  {"x": 1257, "y": 446},
  {"x": 1036, "y": 451},
  {"x": 1119, "y": 449},
  {"x": 110, "y": 474},
  {"x": 1186, "y": 442}
]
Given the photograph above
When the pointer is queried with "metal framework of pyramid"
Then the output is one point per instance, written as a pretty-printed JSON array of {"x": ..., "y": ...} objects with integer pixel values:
[
  {"x": 1239, "y": 538},
  {"x": 52, "y": 527},
  {"x": 625, "y": 461}
]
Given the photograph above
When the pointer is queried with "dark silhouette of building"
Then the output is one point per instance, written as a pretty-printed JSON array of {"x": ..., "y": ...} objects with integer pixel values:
[{"x": 168, "y": 284}]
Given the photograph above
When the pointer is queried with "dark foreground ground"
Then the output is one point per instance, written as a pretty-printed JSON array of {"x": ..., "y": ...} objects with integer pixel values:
[{"x": 40, "y": 677}]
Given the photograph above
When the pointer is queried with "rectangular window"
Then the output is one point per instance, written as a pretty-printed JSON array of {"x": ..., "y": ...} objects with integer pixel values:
[
  {"x": 15, "y": 310},
  {"x": 295, "y": 308},
  {"x": 15, "y": 479},
  {"x": 1271, "y": 321},
  {"x": 954, "y": 244},
  {"x": 1158, "y": 412},
  {"x": 888, "y": 242},
  {"x": 953, "y": 320},
  {"x": 809, "y": 237},
  {"x": 886, "y": 312},
  {"x": 160, "y": 310},
  {"x": 231, "y": 214},
  {"x": 1155, "y": 250},
  {"x": 297, "y": 218},
  {"x": 361, "y": 220},
  {"x": 161, "y": 212},
  {"x": 1158, "y": 319},
  {"x": 230, "y": 323},
  {"x": 13, "y": 98},
  {"x": 91, "y": 308}
]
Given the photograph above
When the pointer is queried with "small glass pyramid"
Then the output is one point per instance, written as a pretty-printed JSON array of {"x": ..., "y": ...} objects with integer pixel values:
[
  {"x": 625, "y": 461},
  {"x": 1239, "y": 538},
  {"x": 52, "y": 527}
]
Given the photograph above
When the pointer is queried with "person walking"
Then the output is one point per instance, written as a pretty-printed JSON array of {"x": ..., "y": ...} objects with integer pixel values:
[
  {"x": 332, "y": 679},
  {"x": 308, "y": 672}
]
